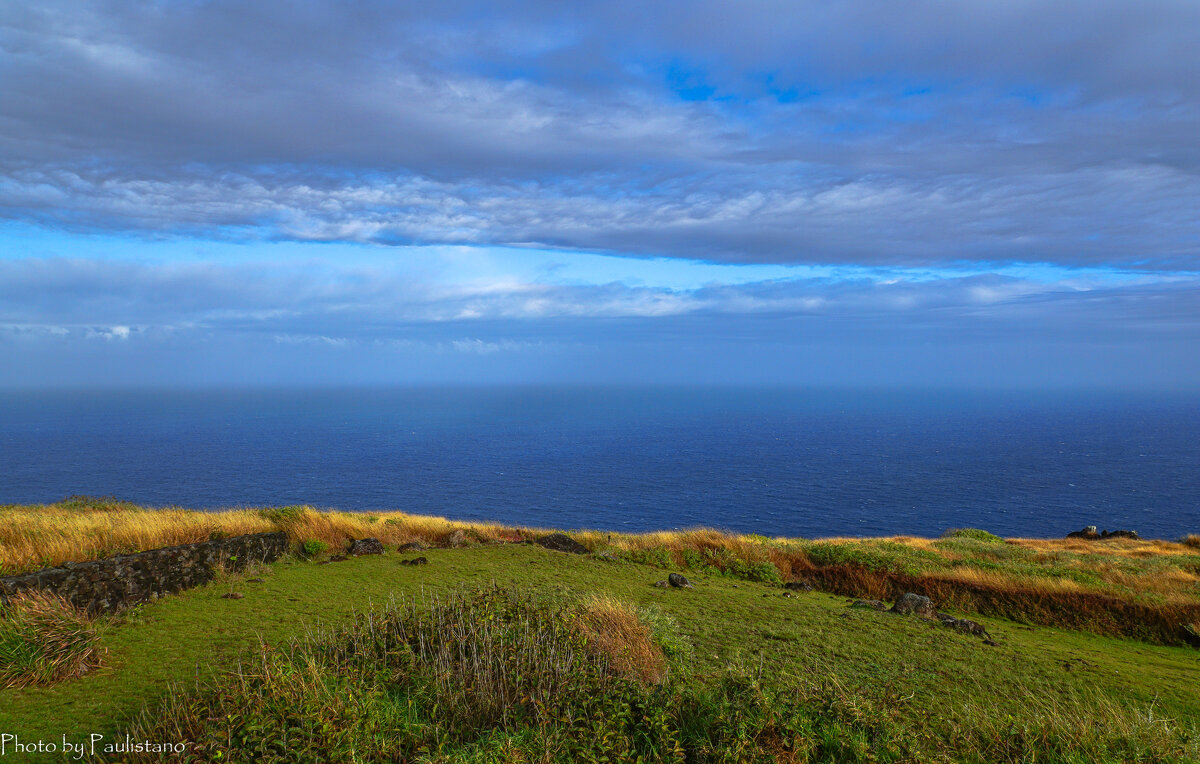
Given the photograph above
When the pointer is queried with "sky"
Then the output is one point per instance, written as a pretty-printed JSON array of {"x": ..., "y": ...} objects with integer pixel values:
[{"x": 864, "y": 193}]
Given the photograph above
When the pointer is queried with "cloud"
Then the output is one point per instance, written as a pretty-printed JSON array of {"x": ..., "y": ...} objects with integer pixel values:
[
  {"x": 335, "y": 305},
  {"x": 856, "y": 132}
]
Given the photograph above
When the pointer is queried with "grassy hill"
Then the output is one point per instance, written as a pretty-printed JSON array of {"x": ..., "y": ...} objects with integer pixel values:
[{"x": 738, "y": 668}]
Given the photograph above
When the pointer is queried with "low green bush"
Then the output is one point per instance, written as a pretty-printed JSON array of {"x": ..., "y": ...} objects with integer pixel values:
[
  {"x": 972, "y": 533},
  {"x": 312, "y": 547}
]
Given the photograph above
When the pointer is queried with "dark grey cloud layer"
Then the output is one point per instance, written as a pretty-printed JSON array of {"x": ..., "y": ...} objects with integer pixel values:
[{"x": 754, "y": 132}]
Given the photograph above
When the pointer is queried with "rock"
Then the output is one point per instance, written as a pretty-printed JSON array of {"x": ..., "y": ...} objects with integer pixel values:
[
  {"x": 561, "y": 542},
  {"x": 412, "y": 546},
  {"x": 417, "y": 561},
  {"x": 232, "y": 596},
  {"x": 661, "y": 584},
  {"x": 1119, "y": 535},
  {"x": 1089, "y": 533},
  {"x": 456, "y": 539},
  {"x": 969, "y": 627},
  {"x": 338, "y": 558},
  {"x": 606, "y": 556},
  {"x": 962, "y": 624},
  {"x": 870, "y": 604},
  {"x": 678, "y": 581},
  {"x": 256, "y": 580},
  {"x": 787, "y": 594},
  {"x": 798, "y": 586},
  {"x": 991, "y": 642},
  {"x": 365, "y": 546},
  {"x": 914, "y": 604}
]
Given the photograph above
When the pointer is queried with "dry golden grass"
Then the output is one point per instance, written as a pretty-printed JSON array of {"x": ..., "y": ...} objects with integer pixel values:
[
  {"x": 1112, "y": 547},
  {"x": 33, "y": 537},
  {"x": 43, "y": 535},
  {"x": 614, "y": 630},
  {"x": 1192, "y": 540}
]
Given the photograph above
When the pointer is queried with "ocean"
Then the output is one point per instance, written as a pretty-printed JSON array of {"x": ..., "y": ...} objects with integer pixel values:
[{"x": 805, "y": 463}]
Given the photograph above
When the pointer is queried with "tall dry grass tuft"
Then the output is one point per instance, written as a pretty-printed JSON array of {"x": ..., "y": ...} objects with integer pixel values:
[
  {"x": 614, "y": 630},
  {"x": 44, "y": 640},
  {"x": 1192, "y": 540}
]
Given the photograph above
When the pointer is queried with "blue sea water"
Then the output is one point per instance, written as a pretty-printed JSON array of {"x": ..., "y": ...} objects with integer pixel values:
[{"x": 794, "y": 462}]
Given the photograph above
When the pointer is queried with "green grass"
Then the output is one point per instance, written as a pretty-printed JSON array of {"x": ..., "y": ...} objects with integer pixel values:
[{"x": 932, "y": 678}]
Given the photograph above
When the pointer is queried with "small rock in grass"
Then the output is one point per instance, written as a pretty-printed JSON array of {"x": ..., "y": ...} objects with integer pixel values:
[
  {"x": 561, "y": 542},
  {"x": 787, "y": 594},
  {"x": 412, "y": 546},
  {"x": 678, "y": 581},
  {"x": 338, "y": 558},
  {"x": 870, "y": 605},
  {"x": 232, "y": 596},
  {"x": 914, "y": 604},
  {"x": 798, "y": 586},
  {"x": 416, "y": 561},
  {"x": 661, "y": 584},
  {"x": 365, "y": 546},
  {"x": 256, "y": 581}
]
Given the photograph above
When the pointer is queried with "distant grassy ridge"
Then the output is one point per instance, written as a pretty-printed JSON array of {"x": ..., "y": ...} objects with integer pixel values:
[{"x": 1144, "y": 589}]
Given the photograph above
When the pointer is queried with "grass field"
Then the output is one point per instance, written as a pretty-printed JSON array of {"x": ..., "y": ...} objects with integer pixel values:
[{"x": 942, "y": 694}]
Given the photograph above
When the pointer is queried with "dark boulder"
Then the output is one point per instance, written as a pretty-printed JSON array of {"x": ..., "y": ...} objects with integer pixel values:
[
  {"x": 416, "y": 561},
  {"x": 963, "y": 625},
  {"x": 914, "y": 604},
  {"x": 1089, "y": 533},
  {"x": 678, "y": 581},
  {"x": 412, "y": 546},
  {"x": 1119, "y": 535},
  {"x": 365, "y": 546},
  {"x": 798, "y": 586},
  {"x": 561, "y": 542}
]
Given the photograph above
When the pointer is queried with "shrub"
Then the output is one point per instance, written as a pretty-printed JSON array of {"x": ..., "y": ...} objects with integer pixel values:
[
  {"x": 971, "y": 533},
  {"x": 44, "y": 640},
  {"x": 312, "y": 547}
]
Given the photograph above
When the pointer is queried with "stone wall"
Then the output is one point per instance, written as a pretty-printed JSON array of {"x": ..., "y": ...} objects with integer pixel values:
[{"x": 116, "y": 582}]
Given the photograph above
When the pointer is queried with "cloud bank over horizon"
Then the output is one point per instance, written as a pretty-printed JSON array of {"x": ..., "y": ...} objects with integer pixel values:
[{"x": 999, "y": 193}]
